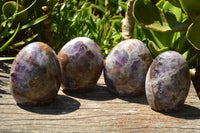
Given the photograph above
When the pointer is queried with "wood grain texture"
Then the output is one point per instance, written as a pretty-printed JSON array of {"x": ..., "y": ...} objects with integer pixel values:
[{"x": 96, "y": 111}]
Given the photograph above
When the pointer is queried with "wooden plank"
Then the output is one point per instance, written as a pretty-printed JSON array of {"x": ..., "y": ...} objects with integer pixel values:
[{"x": 96, "y": 111}]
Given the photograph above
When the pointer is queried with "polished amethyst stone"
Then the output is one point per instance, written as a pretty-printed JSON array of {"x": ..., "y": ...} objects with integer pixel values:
[
  {"x": 167, "y": 82},
  {"x": 81, "y": 63},
  {"x": 35, "y": 75},
  {"x": 126, "y": 67}
]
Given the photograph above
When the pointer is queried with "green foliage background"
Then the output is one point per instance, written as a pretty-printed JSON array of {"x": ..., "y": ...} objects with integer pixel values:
[
  {"x": 67, "y": 19},
  {"x": 162, "y": 24}
]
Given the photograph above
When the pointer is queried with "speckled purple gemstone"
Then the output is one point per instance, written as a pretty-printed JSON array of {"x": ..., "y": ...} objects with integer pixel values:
[
  {"x": 81, "y": 63},
  {"x": 126, "y": 67},
  {"x": 167, "y": 82},
  {"x": 35, "y": 75}
]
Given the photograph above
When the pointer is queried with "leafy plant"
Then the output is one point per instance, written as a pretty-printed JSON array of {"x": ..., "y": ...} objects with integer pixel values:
[
  {"x": 69, "y": 21},
  {"x": 106, "y": 31},
  {"x": 14, "y": 32},
  {"x": 65, "y": 21},
  {"x": 172, "y": 25},
  {"x": 168, "y": 26},
  {"x": 87, "y": 19}
]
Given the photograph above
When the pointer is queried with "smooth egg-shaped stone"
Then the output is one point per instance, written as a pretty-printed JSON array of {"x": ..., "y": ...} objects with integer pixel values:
[
  {"x": 35, "y": 75},
  {"x": 81, "y": 64},
  {"x": 126, "y": 67},
  {"x": 167, "y": 82}
]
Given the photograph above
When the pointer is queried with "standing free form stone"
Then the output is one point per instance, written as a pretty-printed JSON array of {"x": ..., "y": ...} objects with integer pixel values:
[
  {"x": 167, "y": 82},
  {"x": 35, "y": 75},
  {"x": 126, "y": 67},
  {"x": 81, "y": 63}
]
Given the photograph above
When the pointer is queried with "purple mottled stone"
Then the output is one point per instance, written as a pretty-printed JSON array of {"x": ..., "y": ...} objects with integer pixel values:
[
  {"x": 107, "y": 80},
  {"x": 35, "y": 75},
  {"x": 122, "y": 57},
  {"x": 126, "y": 67},
  {"x": 90, "y": 54},
  {"x": 167, "y": 82},
  {"x": 81, "y": 63}
]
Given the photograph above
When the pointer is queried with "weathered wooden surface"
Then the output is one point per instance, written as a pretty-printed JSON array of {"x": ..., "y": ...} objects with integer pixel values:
[{"x": 97, "y": 111}]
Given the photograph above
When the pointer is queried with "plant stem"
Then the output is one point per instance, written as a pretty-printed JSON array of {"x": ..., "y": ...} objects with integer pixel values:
[
  {"x": 48, "y": 34},
  {"x": 128, "y": 22},
  {"x": 195, "y": 76},
  {"x": 107, "y": 6}
]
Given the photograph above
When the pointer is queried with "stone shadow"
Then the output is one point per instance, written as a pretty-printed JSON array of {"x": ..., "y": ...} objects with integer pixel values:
[
  {"x": 4, "y": 73},
  {"x": 98, "y": 93},
  {"x": 186, "y": 112},
  {"x": 135, "y": 99},
  {"x": 5, "y": 66},
  {"x": 60, "y": 105},
  {"x": 3, "y": 92}
]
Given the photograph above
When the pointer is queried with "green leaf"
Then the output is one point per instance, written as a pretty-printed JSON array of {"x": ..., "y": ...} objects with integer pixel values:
[
  {"x": 24, "y": 41},
  {"x": 99, "y": 7},
  {"x": 6, "y": 45},
  {"x": 105, "y": 32},
  {"x": 175, "y": 12},
  {"x": 150, "y": 16},
  {"x": 85, "y": 6},
  {"x": 160, "y": 4},
  {"x": 123, "y": 4},
  {"x": 191, "y": 57},
  {"x": 193, "y": 34},
  {"x": 92, "y": 27},
  {"x": 18, "y": 13},
  {"x": 4, "y": 33},
  {"x": 175, "y": 3},
  {"x": 155, "y": 50},
  {"x": 161, "y": 39},
  {"x": 26, "y": 9},
  {"x": 109, "y": 35},
  {"x": 6, "y": 58},
  {"x": 181, "y": 44},
  {"x": 116, "y": 18},
  {"x": 32, "y": 23},
  {"x": 191, "y": 8}
]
